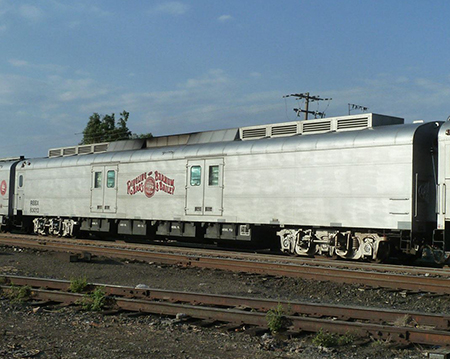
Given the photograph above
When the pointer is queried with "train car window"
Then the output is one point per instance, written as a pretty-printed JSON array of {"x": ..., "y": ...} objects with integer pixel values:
[
  {"x": 20, "y": 181},
  {"x": 196, "y": 175},
  {"x": 213, "y": 179},
  {"x": 97, "y": 180},
  {"x": 111, "y": 179}
]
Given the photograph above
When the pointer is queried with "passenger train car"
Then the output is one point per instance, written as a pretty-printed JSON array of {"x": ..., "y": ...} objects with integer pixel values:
[{"x": 357, "y": 187}]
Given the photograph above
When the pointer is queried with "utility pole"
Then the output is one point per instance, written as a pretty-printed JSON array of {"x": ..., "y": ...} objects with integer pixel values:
[{"x": 308, "y": 98}]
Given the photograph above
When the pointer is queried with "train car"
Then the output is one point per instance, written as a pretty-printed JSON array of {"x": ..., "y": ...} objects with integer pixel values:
[
  {"x": 352, "y": 186},
  {"x": 7, "y": 180},
  {"x": 442, "y": 236}
]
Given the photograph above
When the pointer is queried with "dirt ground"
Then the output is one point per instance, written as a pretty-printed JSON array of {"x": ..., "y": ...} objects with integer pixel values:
[{"x": 60, "y": 332}]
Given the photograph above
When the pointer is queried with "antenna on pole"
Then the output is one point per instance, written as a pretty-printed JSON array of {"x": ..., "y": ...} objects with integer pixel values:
[
  {"x": 308, "y": 98},
  {"x": 352, "y": 106}
]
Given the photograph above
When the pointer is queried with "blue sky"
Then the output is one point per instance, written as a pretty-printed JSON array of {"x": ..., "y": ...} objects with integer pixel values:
[{"x": 185, "y": 66}]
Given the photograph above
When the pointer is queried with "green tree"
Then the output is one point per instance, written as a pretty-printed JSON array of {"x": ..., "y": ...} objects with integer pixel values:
[
  {"x": 135, "y": 136},
  {"x": 105, "y": 129}
]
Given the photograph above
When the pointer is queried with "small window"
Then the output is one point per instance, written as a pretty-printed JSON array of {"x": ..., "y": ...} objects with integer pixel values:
[
  {"x": 111, "y": 179},
  {"x": 97, "y": 180},
  {"x": 213, "y": 179},
  {"x": 196, "y": 175},
  {"x": 21, "y": 181}
]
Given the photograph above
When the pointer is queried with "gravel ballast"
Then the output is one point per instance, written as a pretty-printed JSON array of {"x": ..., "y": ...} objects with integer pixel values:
[{"x": 67, "y": 332}]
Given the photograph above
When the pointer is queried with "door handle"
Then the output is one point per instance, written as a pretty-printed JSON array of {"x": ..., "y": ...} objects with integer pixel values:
[{"x": 444, "y": 198}]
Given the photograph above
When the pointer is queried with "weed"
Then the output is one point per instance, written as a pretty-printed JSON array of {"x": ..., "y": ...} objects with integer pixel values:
[
  {"x": 18, "y": 294},
  {"x": 377, "y": 343},
  {"x": 325, "y": 339},
  {"x": 78, "y": 285},
  {"x": 275, "y": 319},
  {"x": 94, "y": 301},
  {"x": 347, "y": 338}
]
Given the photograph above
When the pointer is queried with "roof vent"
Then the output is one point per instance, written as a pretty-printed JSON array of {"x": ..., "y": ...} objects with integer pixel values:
[
  {"x": 78, "y": 150},
  {"x": 309, "y": 127},
  {"x": 69, "y": 151},
  {"x": 254, "y": 133},
  {"x": 284, "y": 130},
  {"x": 102, "y": 147},
  {"x": 343, "y": 123},
  {"x": 352, "y": 123},
  {"x": 55, "y": 153},
  {"x": 84, "y": 150}
]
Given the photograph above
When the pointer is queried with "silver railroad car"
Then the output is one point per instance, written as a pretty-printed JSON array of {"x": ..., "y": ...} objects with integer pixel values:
[
  {"x": 352, "y": 186},
  {"x": 443, "y": 182}
]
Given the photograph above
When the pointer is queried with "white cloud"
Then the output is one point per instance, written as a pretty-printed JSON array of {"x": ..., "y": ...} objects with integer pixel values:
[
  {"x": 79, "y": 7},
  {"x": 225, "y": 18},
  {"x": 212, "y": 100},
  {"x": 39, "y": 67},
  {"x": 18, "y": 63},
  {"x": 213, "y": 77},
  {"x": 31, "y": 13},
  {"x": 170, "y": 8}
]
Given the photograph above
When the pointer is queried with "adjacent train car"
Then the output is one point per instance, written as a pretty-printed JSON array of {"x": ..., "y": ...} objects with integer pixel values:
[
  {"x": 353, "y": 186},
  {"x": 7, "y": 181},
  {"x": 442, "y": 237}
]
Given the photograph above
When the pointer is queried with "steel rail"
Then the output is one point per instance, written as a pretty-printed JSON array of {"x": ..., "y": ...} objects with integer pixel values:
[
  {"x": 232, "y": 315},
  {"x": 204, "y": 252},
  {"x": 374, "y": 315},
  {"x": 439, "y": 285},
  {"x": 296, "y": 260},
  {"x": 396, "y": 334}
]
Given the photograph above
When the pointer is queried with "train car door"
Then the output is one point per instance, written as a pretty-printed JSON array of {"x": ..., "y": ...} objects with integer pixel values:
[
  {"x": 204, "y": 187},
  {"x": 104, "y": 189},
  {"x": 20, "y": 191},
  {"x": 445, "y": 178}
]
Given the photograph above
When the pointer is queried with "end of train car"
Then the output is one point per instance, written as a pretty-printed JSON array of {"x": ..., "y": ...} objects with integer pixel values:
[{"x": 7, "y": 192}]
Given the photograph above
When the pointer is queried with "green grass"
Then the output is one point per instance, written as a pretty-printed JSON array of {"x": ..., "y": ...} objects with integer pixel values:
[
  {"x": 94, "y": 301},
  {"x": 328, "y": 340},
  {"x": 276, "y": 319},
  {"x": 78, "y": 285},
  {"x": 18, "y": 294}
]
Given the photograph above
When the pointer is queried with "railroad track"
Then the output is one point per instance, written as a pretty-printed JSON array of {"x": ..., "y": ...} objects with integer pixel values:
[
  {"x": 417, "y": 279},
  {"x": 398, "y": 326},
  {"x": 18, "y": 239}
]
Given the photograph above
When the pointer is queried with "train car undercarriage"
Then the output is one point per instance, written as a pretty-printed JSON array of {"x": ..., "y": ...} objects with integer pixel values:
[
  {"x": 351, "y": 245},
  {"x": 347, "y": 245}
]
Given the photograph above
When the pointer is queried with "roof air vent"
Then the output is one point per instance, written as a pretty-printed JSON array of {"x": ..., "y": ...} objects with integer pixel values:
[
  {"x": 69, "y": 151},
  {"x": 284, "y": 130},
  {"x": 254, "y": 132},
  {"x": 322, "y": 126},
  {"x": 55, "y": 153},
  {"x": 100, "y": 148},
  {"x": 352, "y": 123}
]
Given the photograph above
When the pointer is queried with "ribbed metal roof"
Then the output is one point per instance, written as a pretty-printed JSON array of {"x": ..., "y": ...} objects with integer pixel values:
[{"x": 378, "y": 136}]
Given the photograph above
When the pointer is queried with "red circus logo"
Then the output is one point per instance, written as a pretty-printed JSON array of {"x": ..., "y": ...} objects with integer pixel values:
[
  {"x": 149, "y": 187},
  {"x": 149, "y": 183},
  {"x": 3, "y": 187}
]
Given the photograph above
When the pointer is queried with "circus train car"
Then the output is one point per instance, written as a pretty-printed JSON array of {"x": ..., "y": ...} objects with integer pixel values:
[{"x": 357, "y": 187}]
